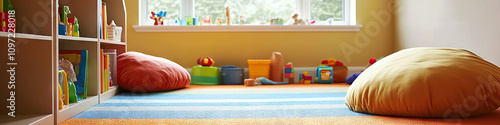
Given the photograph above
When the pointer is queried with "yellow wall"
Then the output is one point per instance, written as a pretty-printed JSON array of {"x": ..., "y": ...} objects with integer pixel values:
[{"x": 304, "y": 49}]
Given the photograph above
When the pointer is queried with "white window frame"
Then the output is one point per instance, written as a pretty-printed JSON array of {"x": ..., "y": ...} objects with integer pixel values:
[{"x": 303, "y": 8}]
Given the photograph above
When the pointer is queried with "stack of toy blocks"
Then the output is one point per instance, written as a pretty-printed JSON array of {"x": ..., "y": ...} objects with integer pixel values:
[
  {"x": 205, "y": 73},
  {"x": 289, "y": 72},
  {"x": 305, "y": 78}
]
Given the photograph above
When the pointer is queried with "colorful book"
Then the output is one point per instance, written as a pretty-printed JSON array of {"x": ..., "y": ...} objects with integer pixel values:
[
  {"x": 79, "y": 59},
  {"x": 104, "y": 22},
  {"x": 106, "y": 73},
  {"x": 102, "y": 70},
  {"x": 112, "y": 64}
]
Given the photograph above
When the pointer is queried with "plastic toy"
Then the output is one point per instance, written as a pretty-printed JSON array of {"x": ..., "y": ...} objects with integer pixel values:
[
  {"x": 249, "y": 82},
  {"x": 305, "y": 78},
  {"x": 207, "y": 20},
  {"x": 61, "y": 102},
  {"x": 228, "y": 14},
  {"x": 219, "y": 21},
  {"x": 276, "y": 73},
  {"x": 158, "y": 17},
  {"x": 196, "y": 21},
  {"x": 265, "y": 81},
  {"x": 231, "y": 75},
  {"x": 330, "y": 21},
  {"x": 241, "y": 20},
  {"x": 64, "y": 98},
  {"x": 189, "y": 21},
  {"x": 296, "y": 20},
  {"x": 63, "y": 19},
  {"x": 349, "y": 80},
  {"x": 205, "y": 61},
  {"x": 324, "y": 75},
  {"x": 62, "y": 29},
  {"x": 70, "y": 28},
  {"x": 339, "y": 70},
  {"x": 7, "y": 7},
  {"x": 205, "y": 73},
  {"x": 276, "y": 21},
  {"x": 289, "y": 72},
  {"x": 313, "y": 22},
  {"x": 76, "y": 28},
  {"x": 258, "y": 68}
]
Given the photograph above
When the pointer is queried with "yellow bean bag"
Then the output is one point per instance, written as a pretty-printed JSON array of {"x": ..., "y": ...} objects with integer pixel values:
[{"x": 427, "y": 82}]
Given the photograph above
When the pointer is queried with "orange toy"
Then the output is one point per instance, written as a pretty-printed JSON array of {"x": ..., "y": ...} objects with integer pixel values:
[{"x": 205, "y": 61}]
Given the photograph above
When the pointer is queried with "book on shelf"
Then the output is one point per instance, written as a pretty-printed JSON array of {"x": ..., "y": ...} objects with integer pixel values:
[
  {"x": 112, "y": 64},
  {"x": 79, "y": 59},
  {"x": 101, "y": 65},
  {"x": 104, "y": 22}
]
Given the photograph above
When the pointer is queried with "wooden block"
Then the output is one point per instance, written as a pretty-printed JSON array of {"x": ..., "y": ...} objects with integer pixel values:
[
  {"x": 290, "y": 80},
  {"x": 249, "y": 82},
  {"x": 289, "y": 70}
]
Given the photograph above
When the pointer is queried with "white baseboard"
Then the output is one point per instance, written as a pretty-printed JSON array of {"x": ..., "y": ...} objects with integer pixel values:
[{"x": 311, "y": 70}]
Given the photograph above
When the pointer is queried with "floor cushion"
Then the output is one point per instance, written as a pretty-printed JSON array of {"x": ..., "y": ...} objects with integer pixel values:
[
  {"x": 139, "y": 72},
  {"x": 427, "y": 82}
]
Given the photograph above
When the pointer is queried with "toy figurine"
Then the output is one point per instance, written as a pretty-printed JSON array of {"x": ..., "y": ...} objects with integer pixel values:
[
  {"x": 228, "y": 15},
  {"x": 76, "y": 28},
  {"x": 219, "y": 21},
  {"x": 70, "y": 28},
  {"x": 305, "y": 78},
  {"x": 241, "y": 20},
  {"x": 205, "y": 61},
  {"x": 158, "y": 17},
  {"x": 207, "y": 20},
  {"x": 297, "y": 21}
]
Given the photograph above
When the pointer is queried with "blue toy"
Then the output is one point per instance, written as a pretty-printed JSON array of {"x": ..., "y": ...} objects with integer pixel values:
[
  {"x": 349, "y": 80},
  {"x": 265, "y": 81},
  {"x": 324, "y": 75}
]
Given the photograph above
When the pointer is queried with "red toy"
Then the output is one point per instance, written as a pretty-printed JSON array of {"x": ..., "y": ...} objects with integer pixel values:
[{"x": 205, "y": 61}]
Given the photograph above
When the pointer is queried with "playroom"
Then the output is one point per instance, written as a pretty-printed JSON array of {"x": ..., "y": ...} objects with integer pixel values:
[{"x": 250, "y": 62}]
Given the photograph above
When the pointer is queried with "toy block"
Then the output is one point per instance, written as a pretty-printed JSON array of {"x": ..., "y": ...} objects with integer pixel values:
[
  {"x": 301, "y": 81},
  {"x": 307, "y": 81},
  {"x": 289, "y": 65},
  {"x": 307, "y": 77},
  {"x": 289, "y": 70},
  {"x": 289, "y": 75},
  {"x": 249, "y": 82},
  {"x": 290, "y": 80}
]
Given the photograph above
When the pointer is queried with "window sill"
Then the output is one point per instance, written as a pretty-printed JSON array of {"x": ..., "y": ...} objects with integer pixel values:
[{"x": 249, "y": 28}]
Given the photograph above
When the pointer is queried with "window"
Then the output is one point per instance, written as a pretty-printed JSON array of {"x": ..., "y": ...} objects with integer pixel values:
[{"x": 342, "y": 11}]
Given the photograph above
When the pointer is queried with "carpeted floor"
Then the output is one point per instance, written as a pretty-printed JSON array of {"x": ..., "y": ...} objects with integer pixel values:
[{"x": 278, "y": 104}]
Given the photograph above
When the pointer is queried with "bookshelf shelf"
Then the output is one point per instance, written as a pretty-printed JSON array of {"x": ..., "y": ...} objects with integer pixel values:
[
  {"x": 76, "y": 108},
  {"x": 27, "y": 36},
  {"x": 83, "y": 39},
  {"x": 111, "y": 42},
  {"x": 37, "y": 56},
  {"x": 24, "y": 119}
]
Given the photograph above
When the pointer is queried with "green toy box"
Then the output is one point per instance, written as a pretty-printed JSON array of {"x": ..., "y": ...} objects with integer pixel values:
[{"x": 204, "y": 75}]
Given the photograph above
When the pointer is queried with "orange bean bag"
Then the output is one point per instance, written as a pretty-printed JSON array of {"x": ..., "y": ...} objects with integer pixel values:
[
  {"x": 427, "y": 82},
  {"x": 139, "y": 72}
]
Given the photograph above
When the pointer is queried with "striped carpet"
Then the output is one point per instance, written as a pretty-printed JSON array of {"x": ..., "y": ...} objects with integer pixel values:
[{"x": 278, "y": 104}]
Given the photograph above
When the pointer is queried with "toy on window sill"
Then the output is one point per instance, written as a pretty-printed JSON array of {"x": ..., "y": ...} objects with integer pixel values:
[
  {"x": 276, "y": 21},
  {"x": 207, "y": 20},
  {"x": 205, "y": 61},
  {"x": 330, "y": 21},
  {"x": 228, "y": 14},
  {"x": 158, "y": 17},
  {"x": 219, "y": 21},
  {"x": 297, "y": 21},
  {"x": 349, "y": 80},
  {"x": 241, "y": 20}
]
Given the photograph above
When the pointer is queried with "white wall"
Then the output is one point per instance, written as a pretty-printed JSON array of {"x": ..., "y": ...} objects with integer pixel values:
[{"x": 468, "y": 24}]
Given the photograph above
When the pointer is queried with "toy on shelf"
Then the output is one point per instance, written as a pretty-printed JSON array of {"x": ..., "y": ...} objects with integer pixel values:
[
  {"x": 64, "y": 26},
  {"x": 219, "y": 21},
  {"x": 70, "y": 26},
  {"x": 205, "y": 61},
  {"x": 241, "y": 20},
  {"x": 205, "y": 73},
  {"x": 276, "y": 73},
  {"x": 297, "y": 21},
  {"x": 289, "y": 72},
  {"x": 339, "y": 70},
  {"x": 276, "y": 21},
  {"x": 76, "y": 28},
  {"x": 158, "y": 17},
  {"x": 305, "y": 78},
  {"x": 258, "y": 68},
  {"x": 330, "y": 21},
  {"x": 231, "y": 75},
  {"x": 324, "y": 75},
  {"x": 70, "y": 77},
  {"x": 189, "y": 21},
  {"x": 207, "y": 20},
  {"x": 7, "y": 18},
  {"x": 349, "y": 80},
  {"x": 114, "y": 32},
  {"x": 228, "y": 15},
  {"x": 196, "y": 21}
]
